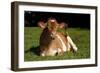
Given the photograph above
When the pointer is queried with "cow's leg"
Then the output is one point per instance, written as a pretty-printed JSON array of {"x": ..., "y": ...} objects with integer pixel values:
[
  {"x": 68, "y": 46},
  {"x": 72, "y": 44},
  {"x": 60, "y": 51}
]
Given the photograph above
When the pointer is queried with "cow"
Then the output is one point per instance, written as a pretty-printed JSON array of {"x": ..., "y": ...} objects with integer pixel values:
[{"x": 52, "y": 42}]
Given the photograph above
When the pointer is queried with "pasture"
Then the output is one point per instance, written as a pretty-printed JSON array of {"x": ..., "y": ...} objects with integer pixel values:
[{"x": 80, "y": 36}]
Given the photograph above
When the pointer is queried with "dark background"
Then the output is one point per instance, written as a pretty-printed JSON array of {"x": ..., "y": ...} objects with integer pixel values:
[{"x": 72, "y": 19}]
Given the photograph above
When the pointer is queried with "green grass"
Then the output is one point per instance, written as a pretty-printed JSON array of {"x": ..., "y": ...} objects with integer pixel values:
[{"x": 80, "y": 37}]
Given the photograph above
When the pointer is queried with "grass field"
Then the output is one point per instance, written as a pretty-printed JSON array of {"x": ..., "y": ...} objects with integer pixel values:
[{"x": 80, "y": 37}]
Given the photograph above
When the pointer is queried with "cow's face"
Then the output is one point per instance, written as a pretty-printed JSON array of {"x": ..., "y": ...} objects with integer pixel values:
[{"x": 51, "y": 27}]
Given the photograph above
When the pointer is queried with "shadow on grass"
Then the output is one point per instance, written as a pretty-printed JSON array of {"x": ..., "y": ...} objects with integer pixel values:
[{"x": 34, "y": 50}]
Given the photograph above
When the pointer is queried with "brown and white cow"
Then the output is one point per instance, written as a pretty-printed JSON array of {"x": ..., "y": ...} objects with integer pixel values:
[{"x": 53, "y": 42}]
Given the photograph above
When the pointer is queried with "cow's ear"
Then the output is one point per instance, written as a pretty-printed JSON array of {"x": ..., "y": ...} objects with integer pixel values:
[
  {"x": 63, "y": 25},
  {"x": 41, "y": 24}
]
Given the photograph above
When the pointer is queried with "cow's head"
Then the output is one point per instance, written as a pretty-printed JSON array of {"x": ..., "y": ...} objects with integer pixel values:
[{"x": 51, "y": 26}]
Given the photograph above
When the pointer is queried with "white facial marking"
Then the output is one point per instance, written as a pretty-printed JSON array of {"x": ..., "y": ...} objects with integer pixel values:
[{"x": 52, "y": 20}]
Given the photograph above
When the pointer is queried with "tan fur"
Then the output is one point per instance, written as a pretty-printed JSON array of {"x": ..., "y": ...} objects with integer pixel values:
[
  {"x": 49, "y": 45},
  {"x": 52, "y": 41}
]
